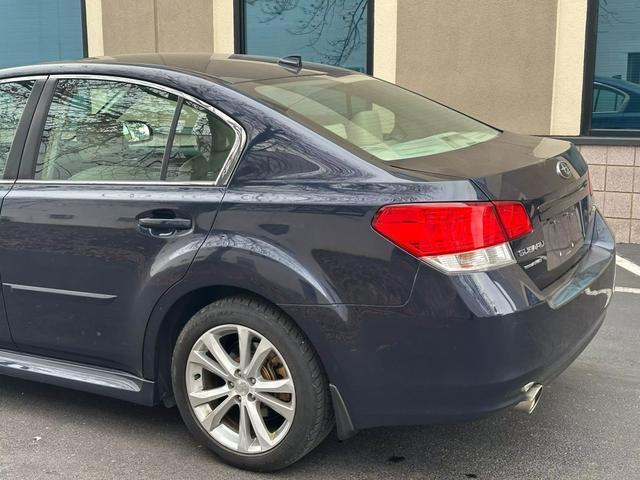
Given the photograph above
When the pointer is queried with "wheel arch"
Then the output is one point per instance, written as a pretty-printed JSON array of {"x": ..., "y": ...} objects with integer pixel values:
[{"x": 168, "y": 320}]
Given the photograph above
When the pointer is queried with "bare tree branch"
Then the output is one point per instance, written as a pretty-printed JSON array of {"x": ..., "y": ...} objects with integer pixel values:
[{"x": 346, "y": 16}]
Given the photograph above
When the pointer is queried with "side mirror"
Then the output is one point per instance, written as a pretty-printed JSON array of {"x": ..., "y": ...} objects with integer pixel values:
[{"x": 136, "y": 132}]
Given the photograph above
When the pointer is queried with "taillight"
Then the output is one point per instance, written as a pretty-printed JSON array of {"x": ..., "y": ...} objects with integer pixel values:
[
  {"x": 514, "y": 219},
  {"x": 455, "y": 237}
]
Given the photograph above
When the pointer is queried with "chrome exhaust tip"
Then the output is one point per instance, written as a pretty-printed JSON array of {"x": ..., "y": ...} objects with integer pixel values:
[{"x": 532, "y": 392}]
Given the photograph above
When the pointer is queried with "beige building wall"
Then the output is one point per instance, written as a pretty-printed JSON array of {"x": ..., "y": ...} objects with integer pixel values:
[
  {"x": 571, "y": 27},
  {"x": 385, "y": 36},
  {"x": 140, "y": 26},
  {"x": 493, "y": 59},
  {"x": 185, "y": 25},
  {"x": 128, "y": 27}
]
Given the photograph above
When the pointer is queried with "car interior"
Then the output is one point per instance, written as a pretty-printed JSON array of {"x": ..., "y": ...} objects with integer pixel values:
[{"x": 88, "y": 136}]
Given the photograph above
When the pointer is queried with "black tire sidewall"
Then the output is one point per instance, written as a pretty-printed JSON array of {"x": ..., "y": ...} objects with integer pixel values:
[{"x": 297, "y": 441}]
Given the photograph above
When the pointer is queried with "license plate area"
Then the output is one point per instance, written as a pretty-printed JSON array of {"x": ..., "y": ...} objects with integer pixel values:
[{"x": 564, "y": 235}]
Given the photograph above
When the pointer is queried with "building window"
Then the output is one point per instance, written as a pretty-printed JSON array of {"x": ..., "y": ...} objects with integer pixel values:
[
  {"x": 613, "y": 83},
  {"x": 335, "y": 32},
  {"x": 41, "y": 31}
]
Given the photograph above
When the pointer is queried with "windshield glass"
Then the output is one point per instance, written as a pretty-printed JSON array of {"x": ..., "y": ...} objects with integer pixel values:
[{"x": 382, "y": 119}]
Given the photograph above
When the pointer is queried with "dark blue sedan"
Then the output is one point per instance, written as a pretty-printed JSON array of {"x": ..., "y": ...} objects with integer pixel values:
[
  {"x": 616, "y": 104},
  {"x": 282, "y": 249}
]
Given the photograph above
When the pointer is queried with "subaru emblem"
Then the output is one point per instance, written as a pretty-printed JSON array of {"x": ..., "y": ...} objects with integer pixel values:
[{"x": 563, "y": 169}]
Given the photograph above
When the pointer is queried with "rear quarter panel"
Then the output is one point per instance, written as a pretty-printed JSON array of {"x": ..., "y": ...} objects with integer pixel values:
[
  {"x": 295, "y": 222},
  {"x": 294, "y": 225}
]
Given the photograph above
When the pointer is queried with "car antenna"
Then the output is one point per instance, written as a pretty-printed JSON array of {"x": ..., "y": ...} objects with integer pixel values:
[{"x": 291, "y": 62}]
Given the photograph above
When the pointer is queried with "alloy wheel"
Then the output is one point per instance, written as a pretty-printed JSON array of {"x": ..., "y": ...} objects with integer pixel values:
[{"x": 240, "y": 389}]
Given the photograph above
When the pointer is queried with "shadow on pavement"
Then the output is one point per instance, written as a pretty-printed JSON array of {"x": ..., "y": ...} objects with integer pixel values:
[{"x": 585, "y": 427}]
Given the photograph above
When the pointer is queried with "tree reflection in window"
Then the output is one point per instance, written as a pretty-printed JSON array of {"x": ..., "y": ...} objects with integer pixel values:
[
  {"x": 85, "y": 137},
  {"x": 13, "y": 99},
  {"x": 327, "y": 31},
  {"x": 201, "y": 145}
]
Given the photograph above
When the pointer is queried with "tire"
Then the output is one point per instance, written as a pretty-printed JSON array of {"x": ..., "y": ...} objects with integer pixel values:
[{"x": 292, "y": 362}]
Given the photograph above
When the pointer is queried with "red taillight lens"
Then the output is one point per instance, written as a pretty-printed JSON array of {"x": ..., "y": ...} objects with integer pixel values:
[
  {"x": 514, "y": 219},
  {"x": 430, "y": 229}
]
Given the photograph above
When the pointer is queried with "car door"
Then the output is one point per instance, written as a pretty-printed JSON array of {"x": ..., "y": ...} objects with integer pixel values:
[
  {"x": 18, "y": 98},
  {"x": 116, "y": 192}
]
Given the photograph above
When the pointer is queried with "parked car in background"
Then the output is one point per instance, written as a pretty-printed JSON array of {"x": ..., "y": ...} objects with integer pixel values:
[
  {"x": 283, "y": 248},
  {"x": 616, "y": 104}
]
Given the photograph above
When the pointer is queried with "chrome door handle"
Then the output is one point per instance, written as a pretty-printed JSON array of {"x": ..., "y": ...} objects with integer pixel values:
[{"x": 165, "y": 223}]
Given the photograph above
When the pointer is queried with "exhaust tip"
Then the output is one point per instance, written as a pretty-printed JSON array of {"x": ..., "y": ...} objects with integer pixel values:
[{"x": 532, "y": 392}]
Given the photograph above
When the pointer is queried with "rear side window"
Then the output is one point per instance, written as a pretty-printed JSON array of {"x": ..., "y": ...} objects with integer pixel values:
[
  {"x": 608, "y": 100},
  {"x": 201, "y": 145},
  {"x": 13, "y": 99},
  {"x": 103, "y": 130}
]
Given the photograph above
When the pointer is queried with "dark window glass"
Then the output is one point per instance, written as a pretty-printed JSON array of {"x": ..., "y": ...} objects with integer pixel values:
[
  {"x": 324, "y": 31},
  {"x": 104, "y": 131},
  {"x": 13, "y": 99},
  {"x": 35, "y": 31},
  {"x": 608, "y": 100},
  {"x": 99, "y": 130},
  {"x": 201, "y": 145},
  {"x": 616, "y": 88}
]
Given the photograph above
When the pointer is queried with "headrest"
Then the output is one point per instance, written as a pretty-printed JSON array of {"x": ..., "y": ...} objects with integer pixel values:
[{"x": 365, "y": 128}]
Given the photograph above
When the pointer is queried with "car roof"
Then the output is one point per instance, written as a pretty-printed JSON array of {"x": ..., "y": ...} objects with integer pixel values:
[
  {"x": 222, "y": 68},
  {"x": 624, "y": 85}
]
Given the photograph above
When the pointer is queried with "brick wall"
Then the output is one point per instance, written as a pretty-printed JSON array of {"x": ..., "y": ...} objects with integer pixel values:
[{"x": 615, "y": 173}]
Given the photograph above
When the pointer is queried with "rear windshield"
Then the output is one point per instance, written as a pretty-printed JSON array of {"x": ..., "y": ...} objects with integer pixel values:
[{"x": 382, "y": 119}]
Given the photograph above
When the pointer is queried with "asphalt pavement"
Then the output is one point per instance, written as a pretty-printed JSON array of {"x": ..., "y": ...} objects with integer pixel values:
[{"x": 587, "y": 426}]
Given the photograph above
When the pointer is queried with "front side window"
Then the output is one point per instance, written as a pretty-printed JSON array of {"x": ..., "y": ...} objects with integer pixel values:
[
  {"x": 102, "y": 130},
  {"x": 13, "y": 99},
  {"x": 616, "y": 86},
  {"x": 373, "y": 116}
]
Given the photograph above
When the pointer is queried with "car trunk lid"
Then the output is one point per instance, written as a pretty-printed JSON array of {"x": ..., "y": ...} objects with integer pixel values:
[{"x": 548, "y": 176}]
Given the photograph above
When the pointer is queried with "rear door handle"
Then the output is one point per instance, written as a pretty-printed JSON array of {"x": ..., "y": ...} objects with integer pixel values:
[
  {"x": 165, "y": 223},
  {"x": 164, "y": 227}
]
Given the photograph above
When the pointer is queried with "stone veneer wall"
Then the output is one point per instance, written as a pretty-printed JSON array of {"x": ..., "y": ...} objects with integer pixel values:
[{"x": 615, "y": 174}]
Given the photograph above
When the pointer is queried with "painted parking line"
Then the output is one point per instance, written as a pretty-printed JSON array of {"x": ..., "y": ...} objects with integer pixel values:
[
  {"x": 628, "y": 265},
  {"x": 627, "y": 290}
]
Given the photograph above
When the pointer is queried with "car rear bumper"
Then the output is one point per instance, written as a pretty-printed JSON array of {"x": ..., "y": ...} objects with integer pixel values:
[{"x": 463, "y": 346}]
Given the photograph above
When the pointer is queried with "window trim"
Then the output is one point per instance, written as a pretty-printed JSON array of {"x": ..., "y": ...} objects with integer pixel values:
[
  {"x": 240, "y": 34},
  {"x": 591, "y": 41},
  {"x": 223, "y": 177},
  {"x": 85, "y": 36},
  {"x": 15, "y": 154},
  {"x": 24, "y": 78}
]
